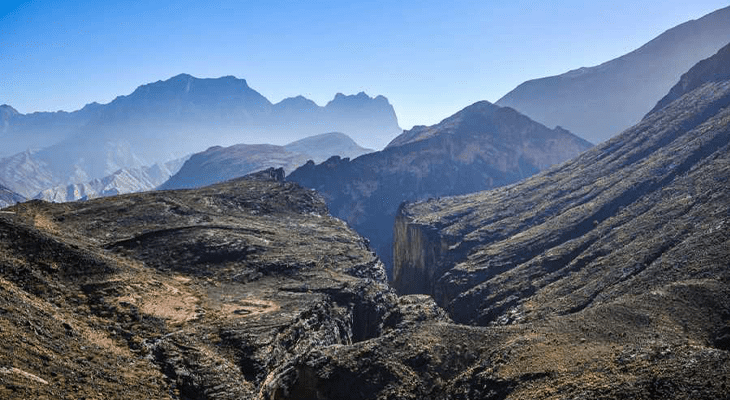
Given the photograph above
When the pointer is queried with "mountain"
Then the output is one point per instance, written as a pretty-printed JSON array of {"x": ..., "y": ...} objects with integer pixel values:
[
  {"x": 166, "y": 120},
  {"x": 713, "y": 69},
  {"x": 601, "y": 101},
  {"x": 323, "y": 146},
  {"x": 125, "y": 180},
  {"x": 218, "y": 164},
  {"x": 8, "y": 197},
  {"x": 21, "y": 132},
  {"x": 26, "y": 173},
  {"x": 643, "y": 216},
  {"x": 480, "y": 147}
]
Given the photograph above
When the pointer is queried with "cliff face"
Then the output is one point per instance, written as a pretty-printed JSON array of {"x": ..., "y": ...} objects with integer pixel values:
[
  {"x": 480, "y": 147},
  {"x": 639, "y": 213}
]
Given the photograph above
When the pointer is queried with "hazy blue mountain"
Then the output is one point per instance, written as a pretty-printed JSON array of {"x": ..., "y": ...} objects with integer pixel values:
[
  {"x": 601, "y": 101},
  {"x": 713, "y": 69},
  {"x": 20, "y": 132},
  {"x": 8, "y": 197},
  {"x": 125, "y": 180},
  {"x": 169, "y": 119},
  {"x": 219, "y": 164},
  {"x": 480, "y": 147},
  {"x": 323, "y": 146}
]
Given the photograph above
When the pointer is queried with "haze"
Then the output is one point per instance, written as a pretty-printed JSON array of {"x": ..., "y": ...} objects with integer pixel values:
[{"x": 430, "y": 59}]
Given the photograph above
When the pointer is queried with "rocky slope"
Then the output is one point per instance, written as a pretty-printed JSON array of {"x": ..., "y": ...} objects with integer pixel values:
[
  {"x": 644, "y": 213},
  {"x": 219, "y": 164},
  {"x": 601, "y": 101},
  {"x": 196, "y": 294},
  {"x": 483, "y": 146},
  {"x": 8, "y": 197}
]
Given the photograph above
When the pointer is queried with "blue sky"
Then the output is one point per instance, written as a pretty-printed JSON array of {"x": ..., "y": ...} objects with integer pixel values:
[{"x": 430, "y": 58}]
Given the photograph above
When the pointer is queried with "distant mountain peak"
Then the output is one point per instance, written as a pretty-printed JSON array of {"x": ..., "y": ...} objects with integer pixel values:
[
  {"x": 8, "y": 109},
  {"x": 353, "y": 98},
  {"x": 300, "y": 102}
]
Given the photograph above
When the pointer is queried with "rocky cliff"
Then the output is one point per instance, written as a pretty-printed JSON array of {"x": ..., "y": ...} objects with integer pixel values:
[
  {"x": 482, "y": 146},
  {"x": 249, "y": 290},
  {"x": 641, "y": 213},
  {"x": 601, "y": 101}
]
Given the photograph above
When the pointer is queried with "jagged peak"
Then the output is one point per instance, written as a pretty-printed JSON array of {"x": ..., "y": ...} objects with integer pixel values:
[{"x": 359, "y": 98}]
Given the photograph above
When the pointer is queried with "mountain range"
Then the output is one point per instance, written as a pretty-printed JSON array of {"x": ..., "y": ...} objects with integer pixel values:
[
  {"x": 601, "y": 101},
  {"x": 167, "y": 120},
  {"x": 480, "y": 147},
  {"x": 602, "y": 277}
]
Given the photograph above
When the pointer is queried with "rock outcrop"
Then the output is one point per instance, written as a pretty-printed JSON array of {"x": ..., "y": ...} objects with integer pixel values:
[
  {"x": 641, "y": 213},
  {"x": 601, "y": 101},
  {"x": 605, "y": 277},
  {"x": 481, "y": 147}
]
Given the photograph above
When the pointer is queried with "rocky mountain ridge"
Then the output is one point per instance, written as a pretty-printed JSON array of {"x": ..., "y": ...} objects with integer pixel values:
[
  {"x": 601, "y": 101},
  {"x": 249, "y": 290},
  {"x": 480, "y": 147},
  {"x": 125, "y": 180}
]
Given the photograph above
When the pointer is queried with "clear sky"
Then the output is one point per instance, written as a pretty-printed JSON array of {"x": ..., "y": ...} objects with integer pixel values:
[{"x": 429, "y": 58}]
